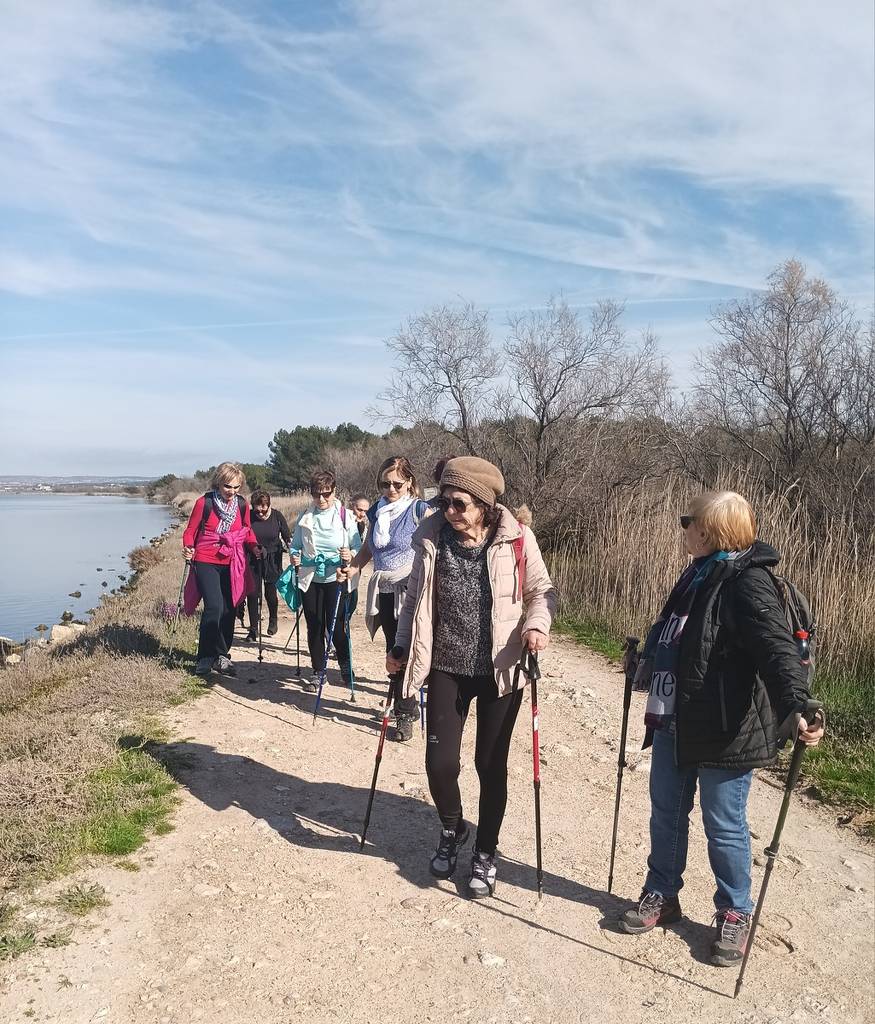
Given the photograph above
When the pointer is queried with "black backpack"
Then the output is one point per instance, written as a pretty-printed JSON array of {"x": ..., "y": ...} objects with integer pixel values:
[{"x": 800, "y": 619}]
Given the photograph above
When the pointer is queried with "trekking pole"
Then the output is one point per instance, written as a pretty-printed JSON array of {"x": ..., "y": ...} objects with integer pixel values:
[
  {"x": 534, "y": 674},
  {"x": 186, "y": 569},
  {"x": 422, "y": 690},
  {"x": 329, "y": 644},
  {"x": 384, "y": 725},
  {"x": 813, "y": 711},
  {"x": 347, "y": 628},
  {"x": 629, "y": 663},
  {"x": 260, "y": 641}
]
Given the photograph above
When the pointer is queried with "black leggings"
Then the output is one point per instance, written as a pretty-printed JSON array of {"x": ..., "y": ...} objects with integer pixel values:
[
  {"x": 389, "y": 625},
  {"x": 217, "y": 618},
  {"x": 449, "y": 700},
  {"x": 270, "y": 599},
  {"x": 318, "y": 603}
]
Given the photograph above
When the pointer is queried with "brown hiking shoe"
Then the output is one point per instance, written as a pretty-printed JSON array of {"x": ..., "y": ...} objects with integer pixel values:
[{"x": 653, "y": 909}]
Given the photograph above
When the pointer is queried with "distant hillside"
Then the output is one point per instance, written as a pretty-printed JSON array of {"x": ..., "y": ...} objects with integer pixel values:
[{"x": 31, "y": 481}]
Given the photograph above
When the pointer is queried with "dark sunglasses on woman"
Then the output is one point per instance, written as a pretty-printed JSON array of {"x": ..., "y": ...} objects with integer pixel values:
[
  {"x": 686, "y": 520},
  {"x": 456, "y": 504}
]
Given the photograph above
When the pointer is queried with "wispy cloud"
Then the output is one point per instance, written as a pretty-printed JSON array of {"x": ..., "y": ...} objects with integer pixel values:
[{"x": 301, "y": 177}]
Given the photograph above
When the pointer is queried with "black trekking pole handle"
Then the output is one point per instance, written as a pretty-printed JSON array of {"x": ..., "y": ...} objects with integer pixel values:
[{"x": 813, "y": 711}]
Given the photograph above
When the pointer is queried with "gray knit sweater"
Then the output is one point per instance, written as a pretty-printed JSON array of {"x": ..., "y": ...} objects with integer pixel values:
[{"x": 463, "y": 608}]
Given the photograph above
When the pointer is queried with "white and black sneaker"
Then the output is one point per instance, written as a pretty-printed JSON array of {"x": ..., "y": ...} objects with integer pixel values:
[
  {"x": 443, "y": 863},
  {"x": 483, "y": 872},
  {"x": 224, "y": 666},
  {"x": 311, "y": 685}
]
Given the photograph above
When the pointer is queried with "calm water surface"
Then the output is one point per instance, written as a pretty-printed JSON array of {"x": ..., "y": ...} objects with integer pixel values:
[{"x": 53, "y": 544}]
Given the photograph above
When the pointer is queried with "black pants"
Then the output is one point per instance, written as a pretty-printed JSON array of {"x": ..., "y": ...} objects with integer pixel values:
[
  {"x": 449, "y": 700},
  {"x": 270, "y": 599},
  {"x": 217, "y": 618},
  {"x": 389, "y": 625},
  {"x": 318, "y": 603}
]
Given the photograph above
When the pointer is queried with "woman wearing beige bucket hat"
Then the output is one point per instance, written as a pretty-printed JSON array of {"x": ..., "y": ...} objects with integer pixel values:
[{"x": 478, "y": 595}]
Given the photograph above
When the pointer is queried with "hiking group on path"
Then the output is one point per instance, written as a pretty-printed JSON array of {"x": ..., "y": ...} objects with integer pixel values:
[{"x": 465, "y": 603}]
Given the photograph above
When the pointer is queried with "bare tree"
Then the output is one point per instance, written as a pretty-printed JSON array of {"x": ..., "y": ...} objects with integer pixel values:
[
  {"x": 776, "y": 382},
  {"x": 444, "y": 365},
  {"x": 565, "y": 385}
]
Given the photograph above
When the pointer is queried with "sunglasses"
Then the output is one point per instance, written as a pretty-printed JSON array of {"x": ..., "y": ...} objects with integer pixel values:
[
  {"x": 322, "y": 494},
  {"x": 456, "y": 504},
  {"x": 686, "y": 520},
  {"x": 392, "y": 485}
]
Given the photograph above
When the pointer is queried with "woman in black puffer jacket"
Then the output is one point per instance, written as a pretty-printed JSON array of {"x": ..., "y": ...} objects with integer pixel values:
[{"x": 727, "y": 687}]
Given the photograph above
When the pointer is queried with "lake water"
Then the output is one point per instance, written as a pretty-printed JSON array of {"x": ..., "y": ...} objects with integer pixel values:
[{"x": 53, "y": 544}]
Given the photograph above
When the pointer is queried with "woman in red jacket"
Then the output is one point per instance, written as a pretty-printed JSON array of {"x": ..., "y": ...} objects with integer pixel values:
[{"x": 215, "y": 541}]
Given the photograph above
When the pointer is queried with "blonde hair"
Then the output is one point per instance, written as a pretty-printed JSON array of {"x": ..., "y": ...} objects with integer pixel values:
[
  {"x": 726, "y": 519},
  {"x": 226, "y": 473}
]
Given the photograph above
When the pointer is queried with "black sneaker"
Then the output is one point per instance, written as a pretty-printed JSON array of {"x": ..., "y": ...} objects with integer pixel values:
[
  {"x": 733, "y": 931},
  {"x": 483, "y": 871},
  {"x": 653, "y": 909},
  {"x": 272, "y": 627},
  {"x": 443, "y": 863},
  {"x": 404, "y": 728},
  {"x": 251, "y": 636}
]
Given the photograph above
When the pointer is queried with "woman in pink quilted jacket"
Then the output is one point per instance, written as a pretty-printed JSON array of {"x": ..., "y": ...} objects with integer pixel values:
[{"x": 478, "y": 594}]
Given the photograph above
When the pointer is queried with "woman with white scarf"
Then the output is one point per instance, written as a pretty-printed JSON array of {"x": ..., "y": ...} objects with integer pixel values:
[{"x": 392, "y": 521}]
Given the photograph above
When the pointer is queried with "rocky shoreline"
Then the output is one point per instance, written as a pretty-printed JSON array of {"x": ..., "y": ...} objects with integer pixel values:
[{"x": 12, "y": 652}]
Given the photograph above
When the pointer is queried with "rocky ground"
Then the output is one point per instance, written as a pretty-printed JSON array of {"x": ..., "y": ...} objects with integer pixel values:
[{"x": 259, "y": 907}]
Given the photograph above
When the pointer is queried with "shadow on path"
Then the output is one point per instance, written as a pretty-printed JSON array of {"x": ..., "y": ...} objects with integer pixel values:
[{"x": 329, "y": 815}]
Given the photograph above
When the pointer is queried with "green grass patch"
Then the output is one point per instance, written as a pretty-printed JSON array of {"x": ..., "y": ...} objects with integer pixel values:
[
  {"x": 80, "y": 899},
  {"x": 592, "y": 634},
  {"x": 126, "y": 802},
  {"x": 13, "y": 944}
]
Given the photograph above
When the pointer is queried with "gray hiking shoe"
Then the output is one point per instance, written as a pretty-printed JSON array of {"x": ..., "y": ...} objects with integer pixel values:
[
  {"x": 403, "y": 728},
  {"x": 653, "y": 909},
  {"x": 311, "y": 685},
  {"x": 483, "y": 871},
  {"x": 733, "y": 930},
  {"x": 224, "y": 666},
  {"x": 443, "y": 863},
  {"x": 203, "y": 667}
]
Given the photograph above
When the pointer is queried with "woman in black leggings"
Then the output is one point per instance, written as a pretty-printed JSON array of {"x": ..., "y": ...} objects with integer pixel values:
[{"x": 478, "y": 595}]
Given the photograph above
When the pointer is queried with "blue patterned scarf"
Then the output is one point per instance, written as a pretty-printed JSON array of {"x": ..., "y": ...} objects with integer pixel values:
[{"x": 226, "y": 511}]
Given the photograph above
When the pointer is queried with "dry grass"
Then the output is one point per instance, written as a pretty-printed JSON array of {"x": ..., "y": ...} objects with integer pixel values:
[{"x": 66, "y": 784}]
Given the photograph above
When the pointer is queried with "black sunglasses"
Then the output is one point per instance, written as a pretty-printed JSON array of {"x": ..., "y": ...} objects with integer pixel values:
[
  {"x": 686, "y": 520},
  {"x": 392, "y": 485},
  {"x": 322, "y": 494},
  {"x": 456, "y": 504}
]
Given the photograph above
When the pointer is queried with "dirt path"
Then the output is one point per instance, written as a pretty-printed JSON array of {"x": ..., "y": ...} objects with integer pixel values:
[{"x": 259, "y": 907}]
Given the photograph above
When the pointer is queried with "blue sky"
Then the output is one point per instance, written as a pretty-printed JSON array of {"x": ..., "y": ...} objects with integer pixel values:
[{"x": 213, "y": 213}]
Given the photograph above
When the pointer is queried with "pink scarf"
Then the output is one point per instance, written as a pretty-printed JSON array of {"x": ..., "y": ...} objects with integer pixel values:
[{"x": 242, "y": 582}]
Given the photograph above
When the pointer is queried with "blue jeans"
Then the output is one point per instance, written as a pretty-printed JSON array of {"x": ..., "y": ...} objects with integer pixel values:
[{"x": 723, "y": 798}]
